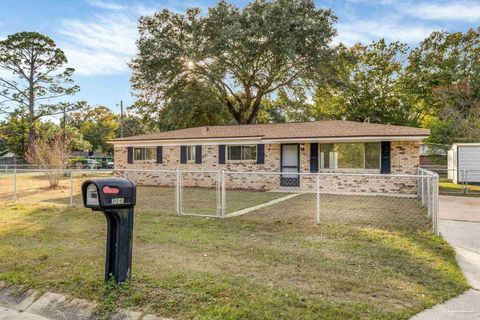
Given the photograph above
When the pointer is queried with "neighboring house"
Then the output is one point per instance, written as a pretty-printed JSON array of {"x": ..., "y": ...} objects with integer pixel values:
[
  {"x": 432, "y": 155},
  {"x": 464, "y": 163},
  {"x": 9, "y": 158},
  {"x": 301, "y": 147}
]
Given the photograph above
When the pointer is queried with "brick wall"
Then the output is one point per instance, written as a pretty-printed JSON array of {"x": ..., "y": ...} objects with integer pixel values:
[
  {"x": 404, "y": 160},
  {"x": 405, "y": 157}
]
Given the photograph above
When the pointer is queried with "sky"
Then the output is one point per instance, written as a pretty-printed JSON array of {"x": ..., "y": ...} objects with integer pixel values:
[{"x": 98, "y": 36}]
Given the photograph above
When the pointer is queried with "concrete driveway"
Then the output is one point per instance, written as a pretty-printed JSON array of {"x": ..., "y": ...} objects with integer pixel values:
[
  {"x": 459, "y": 224},
  {"x": 460, "y": 208}
]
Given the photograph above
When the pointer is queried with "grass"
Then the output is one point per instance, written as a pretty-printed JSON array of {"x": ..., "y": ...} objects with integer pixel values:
[
  {"x": 35, "y": 188},
  {"x": 450, "y": 188},
  {"x": 365, "y": 261}
]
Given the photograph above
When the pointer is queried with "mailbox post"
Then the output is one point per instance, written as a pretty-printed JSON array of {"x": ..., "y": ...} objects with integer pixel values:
[{"x": 116, "y": 198}]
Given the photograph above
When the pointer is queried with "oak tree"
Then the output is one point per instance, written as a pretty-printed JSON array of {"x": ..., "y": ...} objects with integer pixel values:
[{"x": 241, "y": 54}]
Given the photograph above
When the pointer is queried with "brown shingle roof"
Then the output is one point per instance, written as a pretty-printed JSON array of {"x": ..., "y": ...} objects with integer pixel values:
[{"x": 287, "y": 130}]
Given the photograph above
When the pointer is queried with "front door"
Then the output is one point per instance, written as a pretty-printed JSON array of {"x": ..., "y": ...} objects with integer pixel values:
[{"x": 289, "y": 165}]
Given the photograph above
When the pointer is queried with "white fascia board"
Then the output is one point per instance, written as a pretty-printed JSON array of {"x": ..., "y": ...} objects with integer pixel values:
[
  {"x": 347, "y": 139},
  {"x": 187, "y": 142},
  {"x": 472, "y": 144}
]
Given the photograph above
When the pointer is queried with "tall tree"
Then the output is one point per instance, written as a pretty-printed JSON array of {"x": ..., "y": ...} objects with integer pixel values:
[
  {"x": 444, "y": 72},
  {"x": 97, "y": 125},
  {"x": 242, "y": 54},
  {"x": 14, "y": 133},
  {"x": 371, "y": 87},
  {"x": 133, "y": 125},
  {"x": 37, "y": 75},
  {"x": 192, "y": 105}
]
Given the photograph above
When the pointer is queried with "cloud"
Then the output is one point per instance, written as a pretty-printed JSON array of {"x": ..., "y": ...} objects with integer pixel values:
[
  {"x": 100, "y": 45},
  {"x": 94, "y": 62},
  {"x": 391, "y": 28},
  {"x": 113, "y": 32},
  {"x": 450, "y": 11},
  {"x": 104, "y": 43},
  {"x": 106, "y": 5}
]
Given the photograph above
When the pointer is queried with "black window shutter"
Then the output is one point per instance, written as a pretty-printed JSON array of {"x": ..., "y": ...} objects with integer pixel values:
[
  {"x": 183, "y": 154},
  {"x": 260, "y": 153},
  {"x": 129, "y": 154},
  {"x": 198, "y": 154},
  {"x": 159, "y": 154},
  {"x": 385, "y": 165},
  {"x": 221, "y": 153},
  {"x": 313, "y": 157}
]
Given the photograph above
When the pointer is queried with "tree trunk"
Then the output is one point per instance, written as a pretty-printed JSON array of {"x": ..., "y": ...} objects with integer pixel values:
[{"x": 31, "y": 108}]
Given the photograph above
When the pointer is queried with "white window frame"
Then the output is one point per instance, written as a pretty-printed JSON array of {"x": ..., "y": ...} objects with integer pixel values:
[
  {"x": 144, "y": 153},
  {"x": 242, "y": 152},
  {"x": 191, "y": 150}
]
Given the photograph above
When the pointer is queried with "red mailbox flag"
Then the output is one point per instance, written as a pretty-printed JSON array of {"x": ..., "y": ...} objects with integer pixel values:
[{"x": 110, "y": 190}]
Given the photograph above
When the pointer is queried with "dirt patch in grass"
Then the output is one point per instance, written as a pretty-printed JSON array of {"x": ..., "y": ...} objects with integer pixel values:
[{"x": 271, "y": 264}]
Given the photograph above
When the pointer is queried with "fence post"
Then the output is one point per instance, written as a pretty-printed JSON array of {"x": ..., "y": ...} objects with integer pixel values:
[
  {"x": 224, "y": 194},
  {"x": 14, "y": 183},
  {"x": 429, "y": 196},
  {"x": 465, "y": 181},
  {"x": 71, "y": 188},
  {"x": 423, "y": 188},
  {"x": 418, "y": 183},
  {"x": 317, "y": 217},
  {"x": 177, "y": 193},
  {"x": 436, "y": 204},
  {"x": 218, "y": 192}
]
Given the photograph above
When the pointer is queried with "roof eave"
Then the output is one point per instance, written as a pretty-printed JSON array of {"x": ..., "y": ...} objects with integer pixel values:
[{"x": 259, "y": 139}]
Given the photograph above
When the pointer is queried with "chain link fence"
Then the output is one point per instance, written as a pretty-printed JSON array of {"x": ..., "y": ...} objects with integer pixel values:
[
  {"x": 392, "y": 201},
  {"x": 458, "y": 182}
]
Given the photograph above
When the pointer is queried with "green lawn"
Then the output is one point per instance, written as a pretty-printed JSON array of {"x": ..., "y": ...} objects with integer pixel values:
[
  {"x": 271, "y": 264},
  {"x": 448, "y": 187},
  {"x": 35, "y": 188}
]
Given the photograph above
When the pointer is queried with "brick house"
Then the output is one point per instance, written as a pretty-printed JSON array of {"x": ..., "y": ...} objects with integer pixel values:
[{"x": 332, "y": 146}]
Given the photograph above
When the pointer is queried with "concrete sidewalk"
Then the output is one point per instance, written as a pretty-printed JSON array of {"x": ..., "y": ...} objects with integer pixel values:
[
  {"x": 10, "y": 314},
  {"x": 18, "y": 304},
  {"x": 459, "y": 224}
]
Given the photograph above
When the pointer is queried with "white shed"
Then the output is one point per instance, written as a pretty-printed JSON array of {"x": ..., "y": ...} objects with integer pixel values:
[{"x": 464, "y": 163}]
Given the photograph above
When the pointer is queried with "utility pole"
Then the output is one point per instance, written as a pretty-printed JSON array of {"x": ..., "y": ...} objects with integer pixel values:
[{"x": 121, "y": 119}]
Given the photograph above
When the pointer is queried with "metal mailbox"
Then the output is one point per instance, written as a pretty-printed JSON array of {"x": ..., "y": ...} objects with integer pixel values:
[{"x": 116, "y": 198}]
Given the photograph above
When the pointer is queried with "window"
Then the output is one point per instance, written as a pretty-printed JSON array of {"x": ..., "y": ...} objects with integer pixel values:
[
  {"x": 242, "y": 153},
  {"x": 350, "y": 155},
  {"x": 140, "y": 154},
  {"x": 372, "y": 155},
  {"x": 190, "y": 153}
]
